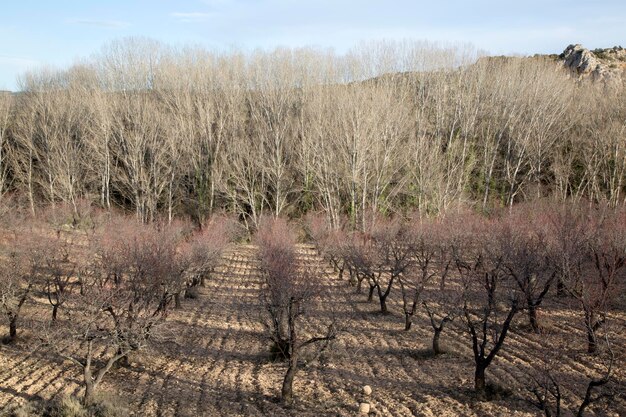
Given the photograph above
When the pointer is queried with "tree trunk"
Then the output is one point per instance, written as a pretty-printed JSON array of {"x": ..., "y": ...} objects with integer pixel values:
[
  {"x": 370, "y": 295},
  {"x": 592, "y": 343},
  {"x": 479, "y": 380},
  {"x": 383, "y": 304},
  {"x": 89, "y": 384},
  {"x": 287, "y": 390},
  {"x": 89, "y": 389},
  {"x": 407, "y": 321},
  {"x": 13, "y": 328},
  {"x": 436, "y": 347},
  {"x": 55, "y": 309},
  {"x": 177, "y": 300},
  {"x": 560, "y": 287},
  {"x": 355, "y": 280},
  {"x": 532, "y": 317}
]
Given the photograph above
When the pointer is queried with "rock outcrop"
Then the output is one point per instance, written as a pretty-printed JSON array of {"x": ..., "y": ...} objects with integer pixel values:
[{"x": 599, "y": 64}]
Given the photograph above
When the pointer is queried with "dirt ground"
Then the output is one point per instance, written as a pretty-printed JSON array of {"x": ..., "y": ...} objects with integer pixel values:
[{"x": 214, "y": 361}]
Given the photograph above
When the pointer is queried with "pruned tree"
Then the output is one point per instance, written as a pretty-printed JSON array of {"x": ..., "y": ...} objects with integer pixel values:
[
  {"x": 430, "y": 261},
  {"x": 443, "y": 297},
  {"x": 289, "y": 293},
  {"x": 205, "y": 248},
  {"x": 591, "y": 255},
  {"x": 330, "y": 243},
  {"x": 59, "y": 272},
  {"x": 381, "y": 255},
  {"x": 554, "y": 392},
  {"x": 528, "y": 261},
  {"x": 122, "y": 302},
  {"x": 20, "y": 256},
  {"x": 599, "y": 288},
  {"x": 490, "y": 300}
]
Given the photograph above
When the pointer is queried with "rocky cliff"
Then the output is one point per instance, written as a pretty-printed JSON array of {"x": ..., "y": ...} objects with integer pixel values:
[{"x": 600, "y": 64}]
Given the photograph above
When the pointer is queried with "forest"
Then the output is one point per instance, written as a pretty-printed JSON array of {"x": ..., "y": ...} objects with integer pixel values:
[{"x": 391, "y": 127}]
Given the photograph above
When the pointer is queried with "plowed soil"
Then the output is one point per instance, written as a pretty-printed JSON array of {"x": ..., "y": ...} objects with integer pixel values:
[{"x": 213, "y": 360}]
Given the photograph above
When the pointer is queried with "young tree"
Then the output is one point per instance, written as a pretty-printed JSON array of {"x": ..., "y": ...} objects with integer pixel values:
[
  {"x": 330, "y": 243},
  {"x": 15, "y": 287},
  {"x": 288, "y": 293},
  {"x": 381, "y": 255},
  {"x": 58, "y": 274}
]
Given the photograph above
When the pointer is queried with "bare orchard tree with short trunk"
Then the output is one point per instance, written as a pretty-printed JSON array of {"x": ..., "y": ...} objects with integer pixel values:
[
  {"x": 590, "y": 251},
  {"x": 528, "y": 261},
  {"x": 122, "y": 302},
  {"x": 600, "y": 287},
  {"x": 59, "y": 265},
  {"x": 331, "y": 244},
  {"x": 490, "y": 299},
  {"x": 204, "y": 249},
  {"x": 15, "y": 288},
  {"x": 289, "y": 294},
  {"x": 553, "y": 390},
  {"x": 381, "y": 255},
  {"x": 443, "y": 297},
  {"x": 20, "y": 254},
  {"x": 393, "y": 256},
  {"x": 429, "y": 260}
]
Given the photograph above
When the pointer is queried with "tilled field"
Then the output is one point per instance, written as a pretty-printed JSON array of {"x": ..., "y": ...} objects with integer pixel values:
[{"x": 213, "y": 360}]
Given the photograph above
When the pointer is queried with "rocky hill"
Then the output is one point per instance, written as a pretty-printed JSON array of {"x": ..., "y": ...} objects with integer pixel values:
[{"x": 599, "y": 64}]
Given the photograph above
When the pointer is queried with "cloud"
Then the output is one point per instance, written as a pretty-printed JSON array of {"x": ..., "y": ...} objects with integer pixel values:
[
  {"x": 188, "y": 17},
  {"x": 114, "y": 24}
]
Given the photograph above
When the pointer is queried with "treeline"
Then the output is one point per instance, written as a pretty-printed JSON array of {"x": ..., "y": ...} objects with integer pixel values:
[{"x": 388, "y": 127}]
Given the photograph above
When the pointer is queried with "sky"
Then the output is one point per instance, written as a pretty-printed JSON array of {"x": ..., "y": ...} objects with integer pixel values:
[{"x": 56, "y": 33}]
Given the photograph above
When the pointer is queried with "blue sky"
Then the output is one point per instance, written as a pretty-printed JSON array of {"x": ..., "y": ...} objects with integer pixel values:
[{"x": 57, "y": 32}]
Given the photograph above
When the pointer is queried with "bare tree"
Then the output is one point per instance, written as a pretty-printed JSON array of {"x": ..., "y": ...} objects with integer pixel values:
[
  {"x": 429, "y": 261},
  {"x": 551, "y": 389},
  {"x": 288, "y": 293},
  {"x": 6, "y": 107},
  {"x": 123, "y": 301},
  {"x": 490, "y": 300},
  {"x": 19, "y": 271},
  {"x": 590, "y": 253},
  {"x": 528, "y": 261},
  {"x": 443, "y": 298},
  {"x": 204, "y": 249},
  {"x": 600, "y": 286}
]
